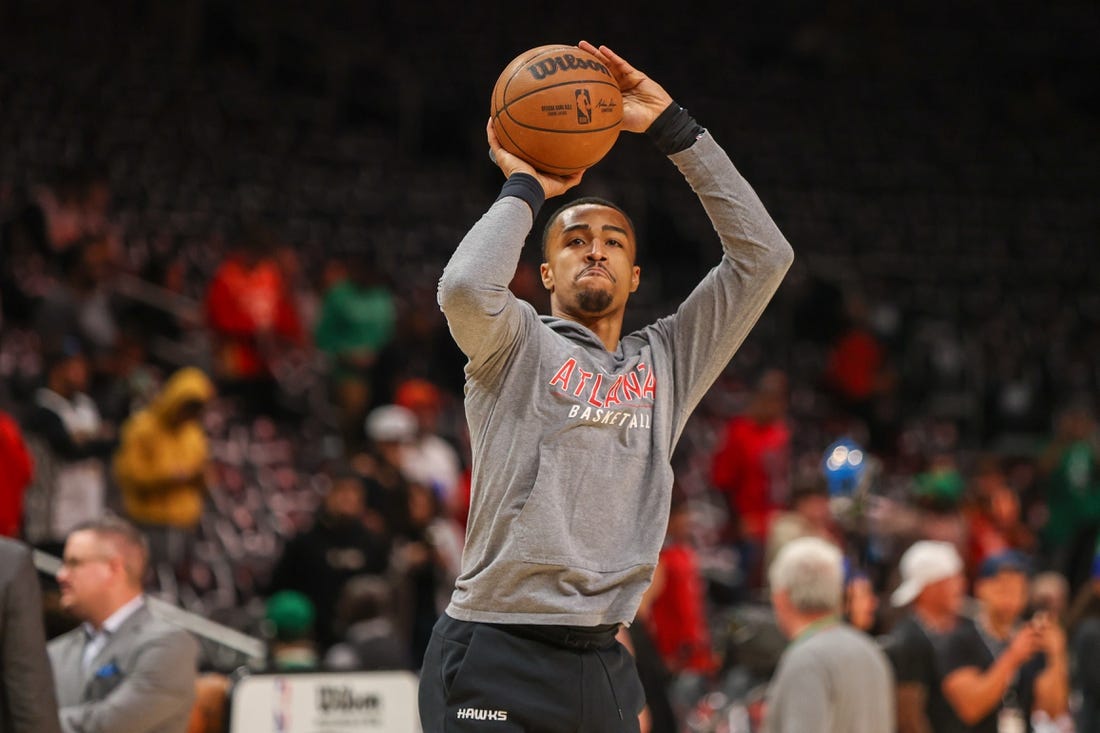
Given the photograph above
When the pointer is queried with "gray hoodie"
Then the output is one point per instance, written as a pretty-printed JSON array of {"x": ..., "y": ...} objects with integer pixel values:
[{"x": 571, "y": 442}]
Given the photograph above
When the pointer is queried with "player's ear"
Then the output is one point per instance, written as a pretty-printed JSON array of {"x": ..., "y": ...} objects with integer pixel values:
[
  {"x": 635, "y": 278},
  {"x": 547, "y": 276}
]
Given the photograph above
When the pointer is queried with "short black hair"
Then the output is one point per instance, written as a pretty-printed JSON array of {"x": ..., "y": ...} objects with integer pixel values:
[{"x": 583, "y": 201}]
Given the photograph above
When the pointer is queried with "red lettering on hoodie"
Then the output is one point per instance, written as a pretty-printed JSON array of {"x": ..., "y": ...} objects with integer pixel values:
[
  {"x": 564, "y": 374},
  {"x": 613, "y": 397},
  {"x": 592, "y": 398},
  {"x": 634, "y": 385},
  {"x": 585, "y": 376},
  {"x": 632, "y": 388}
]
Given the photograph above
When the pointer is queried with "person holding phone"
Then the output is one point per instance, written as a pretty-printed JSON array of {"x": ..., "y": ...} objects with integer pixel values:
[{"x": 1002, "y": 673}]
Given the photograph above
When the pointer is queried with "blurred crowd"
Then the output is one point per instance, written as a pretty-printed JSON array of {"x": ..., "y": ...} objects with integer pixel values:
[{"x": 220, "y": 323}]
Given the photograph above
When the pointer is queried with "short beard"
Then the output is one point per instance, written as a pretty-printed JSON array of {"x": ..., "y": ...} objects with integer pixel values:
[{"x": 593, "y": 301}]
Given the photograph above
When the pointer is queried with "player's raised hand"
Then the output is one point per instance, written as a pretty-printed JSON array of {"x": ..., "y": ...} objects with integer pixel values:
[
  {"x": 552, "y": 185},
  {"x": 643, "y": 98}
]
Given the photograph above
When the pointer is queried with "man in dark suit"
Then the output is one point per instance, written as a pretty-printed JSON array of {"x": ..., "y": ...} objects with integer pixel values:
[
  {"x": 27, "y": 702},
  {"x": 122, "y": 669}
]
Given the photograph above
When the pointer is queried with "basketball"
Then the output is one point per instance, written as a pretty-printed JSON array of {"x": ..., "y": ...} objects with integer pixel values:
[{"x": 558, "y": 108}]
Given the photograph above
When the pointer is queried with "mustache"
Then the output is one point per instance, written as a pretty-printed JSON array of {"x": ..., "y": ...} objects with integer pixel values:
[{"x": 599, "y": 267}]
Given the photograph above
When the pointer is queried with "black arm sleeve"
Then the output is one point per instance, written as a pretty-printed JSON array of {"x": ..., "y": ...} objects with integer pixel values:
[
  {"x": 524, "y": 186},
  {"x": 674, "y": 130}
]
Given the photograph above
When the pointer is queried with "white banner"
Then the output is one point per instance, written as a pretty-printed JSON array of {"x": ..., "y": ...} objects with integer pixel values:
[{"x": 326, "y": 703}]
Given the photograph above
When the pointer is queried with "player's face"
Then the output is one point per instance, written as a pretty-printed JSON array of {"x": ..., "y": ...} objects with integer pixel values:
[{"x": 589, "y": 268}]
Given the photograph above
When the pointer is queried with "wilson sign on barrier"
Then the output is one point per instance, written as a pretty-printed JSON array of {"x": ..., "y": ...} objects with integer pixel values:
[{"x": 326, "y": 703}]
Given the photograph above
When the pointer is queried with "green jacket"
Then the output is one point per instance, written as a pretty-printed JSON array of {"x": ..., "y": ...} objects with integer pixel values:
[{"x": 355, "y": 319}]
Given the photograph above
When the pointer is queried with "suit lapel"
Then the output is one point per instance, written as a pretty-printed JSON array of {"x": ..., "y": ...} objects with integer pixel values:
[
  {"x": 70, "y": 673},
  {"x": 117, "y": 645}
]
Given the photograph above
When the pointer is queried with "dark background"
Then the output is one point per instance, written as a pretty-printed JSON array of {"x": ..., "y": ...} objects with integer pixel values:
[{"x": 939, "y": 161}]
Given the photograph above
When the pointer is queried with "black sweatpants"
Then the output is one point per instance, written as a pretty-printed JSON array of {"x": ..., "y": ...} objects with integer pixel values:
[{"x": 534, "y": 679}]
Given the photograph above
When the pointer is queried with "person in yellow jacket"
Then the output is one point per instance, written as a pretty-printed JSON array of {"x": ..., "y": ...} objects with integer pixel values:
[{"x": 160, "y": 468}]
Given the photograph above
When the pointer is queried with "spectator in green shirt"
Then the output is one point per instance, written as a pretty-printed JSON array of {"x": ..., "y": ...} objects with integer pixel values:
[
  {"x": 356, "y": 323},
  {"x": 1071, "y": 467}
]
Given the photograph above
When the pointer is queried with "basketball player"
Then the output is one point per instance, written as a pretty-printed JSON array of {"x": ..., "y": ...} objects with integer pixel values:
[{"x": 573, "y": 425}]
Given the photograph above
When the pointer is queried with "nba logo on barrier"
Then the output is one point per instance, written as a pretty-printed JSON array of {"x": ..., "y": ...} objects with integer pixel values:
[
  {"x": 282, "y": 712},
  {"x": 584, "y": 106}
]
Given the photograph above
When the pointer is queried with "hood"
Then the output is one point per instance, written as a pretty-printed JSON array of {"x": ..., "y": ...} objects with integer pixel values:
[
  {"x": 572, "y": 330},
  {"x": 584, "y": 336},
  {"x": 187, "y": 385}
]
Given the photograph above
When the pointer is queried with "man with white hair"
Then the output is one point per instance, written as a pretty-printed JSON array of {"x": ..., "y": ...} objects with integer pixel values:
[
  {"x": 832, "y": 678},
  {"x": 933, "y": 586}
]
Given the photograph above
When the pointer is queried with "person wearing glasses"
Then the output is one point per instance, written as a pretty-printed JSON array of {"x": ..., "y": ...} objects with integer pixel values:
[{"x": 122, "y": 669}]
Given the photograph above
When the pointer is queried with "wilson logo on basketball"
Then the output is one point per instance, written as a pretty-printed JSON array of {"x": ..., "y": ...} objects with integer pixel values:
[{"x": 565, "y": 62}]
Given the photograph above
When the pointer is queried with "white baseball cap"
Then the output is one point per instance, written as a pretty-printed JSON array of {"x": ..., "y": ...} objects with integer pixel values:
[
  {"x": 391, "y": 424},
  {"x": 924, "y": 563}
]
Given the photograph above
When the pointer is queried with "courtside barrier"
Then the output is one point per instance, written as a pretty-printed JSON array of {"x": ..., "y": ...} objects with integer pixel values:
[{"x": 353, "y": 702}]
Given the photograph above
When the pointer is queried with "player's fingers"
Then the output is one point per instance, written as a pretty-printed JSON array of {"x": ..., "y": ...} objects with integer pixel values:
[
  {"x": 572, "y": 179},
  {"x": 497, "y": 153},
  {"x": 618, "y": 61},
  {"x": 586, "y": 46},
  {"x": 495, "y": 148},
  {"x": 615, "y": 63},
  {"x": 555, "y": 184}
]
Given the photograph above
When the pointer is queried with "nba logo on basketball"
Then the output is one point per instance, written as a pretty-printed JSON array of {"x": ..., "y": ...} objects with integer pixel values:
[{"x": 584, "y": 106}]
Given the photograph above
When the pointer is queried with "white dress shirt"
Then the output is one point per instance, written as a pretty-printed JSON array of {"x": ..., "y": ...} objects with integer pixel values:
[{"x": 97, "y": 638}]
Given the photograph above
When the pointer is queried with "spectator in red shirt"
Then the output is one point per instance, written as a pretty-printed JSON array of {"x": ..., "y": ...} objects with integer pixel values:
[
  {"x": 751, "y": 466},
  {"x": 251, "y": 311},
  {"x": 16, "y": 474},
  {"x": 993, "y": 517},
  {"x": 854, "y": 366},
  {"x": 677, "y": 618},
  {"x": 859, "y": 374}
]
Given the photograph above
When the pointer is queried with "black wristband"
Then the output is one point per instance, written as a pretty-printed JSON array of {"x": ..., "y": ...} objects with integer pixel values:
[
  {"x": 674, "y": 130},
  {"x": 526, "y": 187}
]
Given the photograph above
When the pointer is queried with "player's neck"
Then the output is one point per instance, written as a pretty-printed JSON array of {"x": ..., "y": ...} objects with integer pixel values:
[
  {"x": 608, "y": 330},
  {"x": 608, "y": 327}
]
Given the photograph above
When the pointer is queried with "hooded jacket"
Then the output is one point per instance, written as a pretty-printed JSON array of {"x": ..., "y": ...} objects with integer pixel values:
[
  {"x": 159, "y": 465},
  {"x": 571, "y": 442}
]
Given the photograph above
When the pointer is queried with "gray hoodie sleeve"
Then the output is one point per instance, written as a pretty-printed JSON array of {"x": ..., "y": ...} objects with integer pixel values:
[
  {"x": 486, "y": 320},
  {"x": 711, "y": 323}
]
